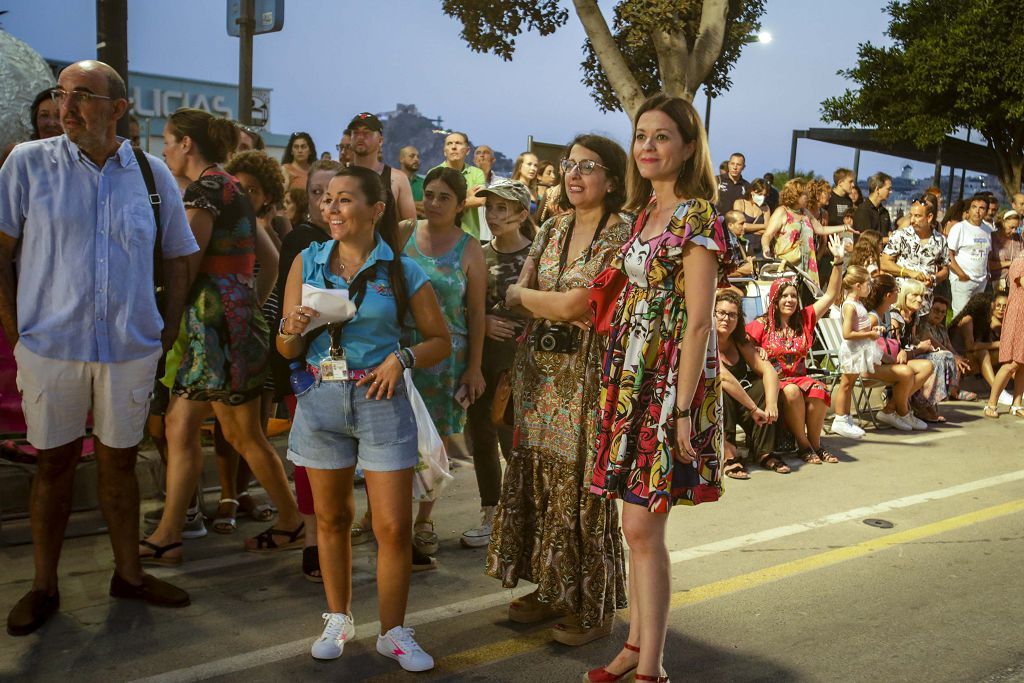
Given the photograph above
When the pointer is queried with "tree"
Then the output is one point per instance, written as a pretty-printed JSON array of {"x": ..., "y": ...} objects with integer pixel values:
[
  {"x": 673, "y": 46},
  {"x": 953, "y": 64}
]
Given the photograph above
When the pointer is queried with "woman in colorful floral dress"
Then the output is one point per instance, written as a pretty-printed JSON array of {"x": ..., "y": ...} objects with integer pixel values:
[
  {"x": 547, "y": 529},
  {"x": 660, "y": 437},
  {"x": 224, "y": 362},
  {"x": 791, "y": 231}
]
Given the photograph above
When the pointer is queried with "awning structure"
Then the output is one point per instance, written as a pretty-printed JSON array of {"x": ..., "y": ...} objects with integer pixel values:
[{"x": 952, "y": 152}]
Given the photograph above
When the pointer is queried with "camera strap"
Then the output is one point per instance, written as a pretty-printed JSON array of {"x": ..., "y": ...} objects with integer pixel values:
[
  {"x": 357, "y": 290},
  {"x": 563, "y": 258}
]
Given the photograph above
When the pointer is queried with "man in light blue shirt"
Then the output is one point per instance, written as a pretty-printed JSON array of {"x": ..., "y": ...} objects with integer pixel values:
[{"x": 88, "y": 335}]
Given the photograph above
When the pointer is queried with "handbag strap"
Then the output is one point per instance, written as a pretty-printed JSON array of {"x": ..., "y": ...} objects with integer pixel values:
[
  {"x": 154, "y": 203},
  {"x": 563, "y": 257}
]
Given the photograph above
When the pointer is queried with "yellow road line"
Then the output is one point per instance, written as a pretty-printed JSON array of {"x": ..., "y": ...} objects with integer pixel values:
[{"x": 535, "y": 640}]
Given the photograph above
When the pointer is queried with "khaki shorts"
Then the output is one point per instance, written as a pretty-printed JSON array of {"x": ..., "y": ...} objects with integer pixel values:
[{"x": 57, "y": 395}]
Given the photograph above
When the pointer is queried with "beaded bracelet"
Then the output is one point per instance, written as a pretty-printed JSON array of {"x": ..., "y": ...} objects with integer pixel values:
[
  {"x": 401, "y": 359},
  {"x": 410, "y": 356}
]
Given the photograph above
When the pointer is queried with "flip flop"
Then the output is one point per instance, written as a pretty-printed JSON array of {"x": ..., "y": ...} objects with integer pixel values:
[
  {"x": 265, "y": 542},
  {"x": 157, "y": 556}
]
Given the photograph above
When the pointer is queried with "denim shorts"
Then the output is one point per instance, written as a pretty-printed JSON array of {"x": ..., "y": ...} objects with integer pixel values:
[{"x": 336, "y": 426}]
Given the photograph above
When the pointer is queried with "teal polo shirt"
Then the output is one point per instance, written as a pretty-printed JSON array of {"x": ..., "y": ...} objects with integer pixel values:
[{"x": 471, "y": 217}]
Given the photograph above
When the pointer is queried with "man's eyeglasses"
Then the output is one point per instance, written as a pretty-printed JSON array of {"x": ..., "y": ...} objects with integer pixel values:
[
  {"x": 76, "y": 96},
  {"x": 586, "y": 166}
]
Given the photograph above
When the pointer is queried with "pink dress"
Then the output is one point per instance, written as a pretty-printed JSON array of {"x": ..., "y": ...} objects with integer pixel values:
[{"x": 1011, "y": 339}]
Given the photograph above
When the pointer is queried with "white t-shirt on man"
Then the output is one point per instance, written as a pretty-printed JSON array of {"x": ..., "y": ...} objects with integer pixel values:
[{"x": 972, "y": 244}]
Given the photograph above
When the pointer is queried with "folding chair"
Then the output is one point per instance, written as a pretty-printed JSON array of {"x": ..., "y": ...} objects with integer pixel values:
[{"x": 826, "y": 359}]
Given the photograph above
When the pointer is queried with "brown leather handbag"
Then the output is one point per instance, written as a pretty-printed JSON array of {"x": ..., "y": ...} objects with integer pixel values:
[{"x": 503, "y": 407}]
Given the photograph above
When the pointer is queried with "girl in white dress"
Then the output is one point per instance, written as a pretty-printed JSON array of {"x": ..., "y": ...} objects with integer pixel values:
[{"x": 858, "y": 353}]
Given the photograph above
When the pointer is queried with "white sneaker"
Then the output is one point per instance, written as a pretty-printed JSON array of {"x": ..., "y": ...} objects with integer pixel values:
[
  {"x": 338, "y": 628},
  {"x": 843, "y": 426},
  {"x": 1006, "y": 398},
  {"x": 480, "y": 536},
  {"x": 398, "y": 644},
  {"x": 894, "y": 420},
  {"x": 915, "y": 422}
]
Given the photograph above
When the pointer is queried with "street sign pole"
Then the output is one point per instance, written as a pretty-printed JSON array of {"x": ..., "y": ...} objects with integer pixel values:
[{"x": 247, "y": 26}]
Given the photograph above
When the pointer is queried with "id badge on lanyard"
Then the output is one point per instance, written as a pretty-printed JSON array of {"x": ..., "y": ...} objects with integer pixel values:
[{"x": 334, "y": 368}]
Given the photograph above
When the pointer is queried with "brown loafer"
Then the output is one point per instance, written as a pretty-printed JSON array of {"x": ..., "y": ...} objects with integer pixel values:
[
  {"x": 31, "y": 612},
  {"x": 152, "y": 590}
]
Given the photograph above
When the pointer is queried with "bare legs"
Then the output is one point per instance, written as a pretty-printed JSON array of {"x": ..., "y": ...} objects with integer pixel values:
[
  {"x": 650, "y": 588},
  {"x": 390, "y": 494},
  {"x": 335, "y": 508},
  {"x": 49, "y": 508},
  {"x": 804, "y": 417}
]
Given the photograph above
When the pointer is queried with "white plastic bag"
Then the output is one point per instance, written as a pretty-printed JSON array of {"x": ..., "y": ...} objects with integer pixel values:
[{"x": 432, "y": 472}]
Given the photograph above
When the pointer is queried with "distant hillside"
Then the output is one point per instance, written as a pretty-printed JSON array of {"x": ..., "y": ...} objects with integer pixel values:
[{"x": 407, "y": 126}]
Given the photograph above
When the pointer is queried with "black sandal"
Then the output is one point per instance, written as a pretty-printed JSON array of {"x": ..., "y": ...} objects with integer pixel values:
[
  {"x": 265, "y": 542},
  {"x": 157, "y": 556},
  {"x": 809, "y": 456},
  {"x": 311, "y": 564},
  {"x": 825, "y": 456}
]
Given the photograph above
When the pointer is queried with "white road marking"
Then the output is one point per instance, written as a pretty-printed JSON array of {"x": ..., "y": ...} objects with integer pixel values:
[{"x": 276, "y": 653}]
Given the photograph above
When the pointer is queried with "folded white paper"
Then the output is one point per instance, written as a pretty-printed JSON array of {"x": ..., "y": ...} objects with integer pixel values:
[{"x": 333, "y": 305}]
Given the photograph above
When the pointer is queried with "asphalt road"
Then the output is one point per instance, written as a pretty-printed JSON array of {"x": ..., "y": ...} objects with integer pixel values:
[{"x": 780, "y": 581}]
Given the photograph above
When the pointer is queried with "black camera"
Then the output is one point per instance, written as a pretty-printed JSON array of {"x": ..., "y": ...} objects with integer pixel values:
[{"x": 557, "y": 338}]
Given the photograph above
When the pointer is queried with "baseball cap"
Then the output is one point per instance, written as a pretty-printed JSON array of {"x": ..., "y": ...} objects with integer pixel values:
[
  {"x": 366, "y": 120},
  {"x": 1011, "y": 214},
  {"x": 513, "y": 190}
]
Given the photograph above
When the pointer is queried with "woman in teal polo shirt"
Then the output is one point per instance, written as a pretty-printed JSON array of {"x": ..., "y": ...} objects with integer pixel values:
[{"x": 358, "y": 410}]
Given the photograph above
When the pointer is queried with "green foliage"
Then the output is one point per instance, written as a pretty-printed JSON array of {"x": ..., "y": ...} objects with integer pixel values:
[
  {"x": 782, "y": 176},
  {"x": 489, "y": 26},
  {"x": 632, "y": 26},
  {"x": 951, "y": 64},
  {"x": 493, "y": 27}
]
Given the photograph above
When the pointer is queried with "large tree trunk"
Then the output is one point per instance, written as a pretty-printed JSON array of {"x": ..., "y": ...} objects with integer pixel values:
[
  {"x": 626, "y": 87},
  {"x": 1008, "y": 148}
]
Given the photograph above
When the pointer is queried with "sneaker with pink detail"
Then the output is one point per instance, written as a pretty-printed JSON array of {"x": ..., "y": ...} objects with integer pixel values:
[
  {"x": 399, "y": 645},
  {"x": 338, "y": 629}
]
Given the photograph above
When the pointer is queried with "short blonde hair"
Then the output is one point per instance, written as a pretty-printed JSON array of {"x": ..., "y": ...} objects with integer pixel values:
[{"x": 906, "y": 289}]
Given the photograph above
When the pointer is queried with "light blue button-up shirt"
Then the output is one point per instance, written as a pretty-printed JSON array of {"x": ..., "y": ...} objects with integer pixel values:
[{"x": 85, "y": 255}]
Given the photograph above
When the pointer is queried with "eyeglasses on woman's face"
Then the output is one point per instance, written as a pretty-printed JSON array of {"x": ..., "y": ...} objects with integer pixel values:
[
  {"x": 727, "y": 315},
  {"x": 586, "y": 166}
]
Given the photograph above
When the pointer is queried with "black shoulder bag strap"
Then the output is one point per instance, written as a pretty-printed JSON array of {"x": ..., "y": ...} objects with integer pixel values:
[
  {"x": 154, "y": 203},
  {"x": 357, "y": 290},
  {"x": 563, "y": 257}
]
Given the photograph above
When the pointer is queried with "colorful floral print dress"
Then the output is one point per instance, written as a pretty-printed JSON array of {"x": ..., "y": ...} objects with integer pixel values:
[
  {"x": 795, "y": 244},
  {"x": 226, "y": 338},
  {"x": 636, "y": 442},
  {"x": 548, "y": 529}
]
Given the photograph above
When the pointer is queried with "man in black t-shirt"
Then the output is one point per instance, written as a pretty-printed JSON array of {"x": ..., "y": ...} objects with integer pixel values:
[
  {"x": 839, "y": 201},
  {"x": 732, "y": 185},
  {"x": 869, "y": 213}
]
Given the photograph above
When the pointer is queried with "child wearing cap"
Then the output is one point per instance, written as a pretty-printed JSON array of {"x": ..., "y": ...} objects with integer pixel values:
[{"x": 507, "y": 212}]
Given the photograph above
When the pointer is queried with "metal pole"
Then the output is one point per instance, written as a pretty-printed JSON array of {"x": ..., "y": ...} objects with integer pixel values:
[
  {"x": 707, "y": 114},
  {"x": 949, "y": 193},
  {"x": 792, "y": 156},
  {"x": 963, "y": 171},
  {"x": 112, "y": 43},
  {"x": 856, "y": 165},
  {"x": 246, "y": 27},
  {"x": 937, "y": 177}
]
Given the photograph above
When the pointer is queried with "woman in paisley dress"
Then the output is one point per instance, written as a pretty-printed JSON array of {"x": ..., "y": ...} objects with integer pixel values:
[
  {"x": 660, "y": 437},
  {"x": 548, "y": 529},
  {"x": 786, "y": 333},
  {"x": 790, "y": 235},
  {"x": 224, "y": 362},
  {"x": 454, "y": 262}
]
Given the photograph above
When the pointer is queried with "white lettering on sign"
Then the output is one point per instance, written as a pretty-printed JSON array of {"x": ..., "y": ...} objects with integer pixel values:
[{"x": 157, "y": 103}]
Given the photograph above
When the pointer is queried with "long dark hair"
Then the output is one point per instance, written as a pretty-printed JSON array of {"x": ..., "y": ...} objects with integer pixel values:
[
  {"x": 372, "y": 187},
  {"x": 214, "y": 137},
  {"x": 882, "y": 286},
  {"x": 979, "y": 307},
  {"x": 287, "y": 158}
]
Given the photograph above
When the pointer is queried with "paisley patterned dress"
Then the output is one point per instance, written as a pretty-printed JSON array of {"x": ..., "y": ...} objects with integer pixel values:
[
  {"x": 636, "y": 442},
  {"x": 226, "y": 339},
  {"x": 547, "y": 529},
  {"x": 438, "y": 384}
]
